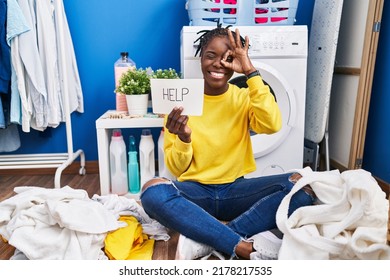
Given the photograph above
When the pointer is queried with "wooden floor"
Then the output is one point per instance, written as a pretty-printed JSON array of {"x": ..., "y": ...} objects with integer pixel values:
[{"x": 89, "y": 182}]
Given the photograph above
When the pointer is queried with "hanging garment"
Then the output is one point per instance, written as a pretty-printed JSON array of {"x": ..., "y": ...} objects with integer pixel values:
[
  {"x": 48, "y": 55},
  {"x": 2, "y": 117},
  {"x": 9, "y": 136},
  {"x": 348, "y": 222},
  {"x": 67, "y": 60},
  {"x": 45, "y": 66},
  {"x": 9, "y": 139},
  {"x": 32, "y": 87},
  {"x": 5, "y": 69},
  {"x": 58, "y": 61},
  {"x": 128, "y": 243},
  {"x": 16, "y": 25}
]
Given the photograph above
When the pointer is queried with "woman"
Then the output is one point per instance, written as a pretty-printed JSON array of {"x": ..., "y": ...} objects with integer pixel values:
[{"x": 210, "y": 154}]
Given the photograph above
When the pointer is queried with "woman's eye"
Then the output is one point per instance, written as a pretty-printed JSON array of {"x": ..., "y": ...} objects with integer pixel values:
[{"x": 229, "y": 58}]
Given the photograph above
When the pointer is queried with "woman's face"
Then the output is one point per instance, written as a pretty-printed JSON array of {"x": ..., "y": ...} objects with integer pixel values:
[{"x": 215, "y": 76}]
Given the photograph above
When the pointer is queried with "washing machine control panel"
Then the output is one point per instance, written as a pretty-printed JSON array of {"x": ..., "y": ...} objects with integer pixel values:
[
  {"x": 277, "y": 43},
  {"x": 264, "y": 40}
]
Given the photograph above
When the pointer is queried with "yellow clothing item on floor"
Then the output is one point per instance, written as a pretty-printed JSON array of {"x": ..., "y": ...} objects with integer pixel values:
[
  {"x": 129, "y": 243},
  {"x": 4, "y": 240}
]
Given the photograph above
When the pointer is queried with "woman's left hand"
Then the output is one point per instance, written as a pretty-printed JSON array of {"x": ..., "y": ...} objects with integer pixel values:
[
  {"x": 177, "y": 124},
  {"x": 237, "y": 58}
]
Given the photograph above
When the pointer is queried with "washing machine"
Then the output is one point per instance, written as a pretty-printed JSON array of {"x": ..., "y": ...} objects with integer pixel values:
[{"x": 279, "y": 53}]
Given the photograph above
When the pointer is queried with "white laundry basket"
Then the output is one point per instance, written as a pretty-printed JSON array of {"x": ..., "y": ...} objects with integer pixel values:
[{"x": 242, "y": 12}]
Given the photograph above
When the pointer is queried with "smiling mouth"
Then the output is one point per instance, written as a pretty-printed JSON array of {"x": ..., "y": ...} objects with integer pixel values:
[{"x": 217, "y": 75}]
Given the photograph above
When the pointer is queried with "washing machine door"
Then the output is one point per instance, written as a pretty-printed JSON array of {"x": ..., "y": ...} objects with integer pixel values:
[{"x": 264, "y": 144}]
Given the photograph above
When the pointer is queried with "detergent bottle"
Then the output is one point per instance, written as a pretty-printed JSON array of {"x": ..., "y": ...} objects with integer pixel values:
[
  {"x": 122, "y": 65},
  {"x": 133, "y": 167},
  {"x": 146, "y": 156},
  {"x": 118, "y": 162}
]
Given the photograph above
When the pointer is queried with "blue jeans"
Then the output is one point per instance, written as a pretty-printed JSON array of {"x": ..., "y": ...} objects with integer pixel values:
[{"x": 249, "y": 206}]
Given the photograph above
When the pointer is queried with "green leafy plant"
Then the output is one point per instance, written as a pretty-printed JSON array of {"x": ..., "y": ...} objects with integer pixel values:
[
  {"x": 137, "y": 81},
  {"x": 169, "y": 73},
  {"x": 134, "y": 82}
]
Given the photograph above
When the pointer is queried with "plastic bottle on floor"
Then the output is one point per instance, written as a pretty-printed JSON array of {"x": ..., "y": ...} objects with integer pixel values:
[
  {"x": 162, "y": 168},
  {"x": 118, "y": 163},
  {"x": 146, "y": 156},
  {"x": 133, "y": 167},
  {"x": 122, "y": 65}
]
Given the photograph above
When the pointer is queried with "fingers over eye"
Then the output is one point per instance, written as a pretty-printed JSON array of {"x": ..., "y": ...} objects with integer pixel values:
[{"x": 228, "y": 56}]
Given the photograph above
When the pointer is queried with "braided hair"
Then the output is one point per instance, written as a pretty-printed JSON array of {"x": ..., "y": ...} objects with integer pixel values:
[{"x": 208, "y": 35}]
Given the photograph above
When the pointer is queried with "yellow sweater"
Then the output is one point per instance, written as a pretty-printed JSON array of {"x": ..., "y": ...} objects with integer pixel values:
[{"x": 220, "y": 150}]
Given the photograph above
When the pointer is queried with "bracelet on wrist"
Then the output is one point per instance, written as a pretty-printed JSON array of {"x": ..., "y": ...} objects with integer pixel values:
[{"x": 252, "y": 74}]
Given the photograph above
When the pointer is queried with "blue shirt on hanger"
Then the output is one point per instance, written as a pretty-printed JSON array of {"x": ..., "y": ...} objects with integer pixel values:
[{"x": 5, "y": 60}]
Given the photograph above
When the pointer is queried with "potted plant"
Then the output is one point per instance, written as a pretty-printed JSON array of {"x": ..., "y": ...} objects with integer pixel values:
[{"x": 135, "y": 84}]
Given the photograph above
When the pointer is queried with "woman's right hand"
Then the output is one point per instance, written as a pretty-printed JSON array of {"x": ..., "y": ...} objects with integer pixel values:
[
  {"x": 177, "y": 124},
  {"x": 237, "y": 57}
]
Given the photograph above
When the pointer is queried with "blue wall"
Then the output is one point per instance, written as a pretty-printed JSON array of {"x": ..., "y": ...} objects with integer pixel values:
[
  {"x": 149, "y": 30},
  {"x": 377, "y": 145}
]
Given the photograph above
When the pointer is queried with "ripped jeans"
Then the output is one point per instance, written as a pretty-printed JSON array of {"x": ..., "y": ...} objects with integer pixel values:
[{"x": 195, "y": 210}]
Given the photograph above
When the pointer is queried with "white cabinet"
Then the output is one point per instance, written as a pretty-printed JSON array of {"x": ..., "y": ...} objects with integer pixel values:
[{"x": 104, "y": 126}]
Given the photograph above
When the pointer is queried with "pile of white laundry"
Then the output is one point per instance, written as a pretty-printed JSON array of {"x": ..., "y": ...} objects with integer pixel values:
[
  {"x": 349, "y": 221},
  {"x": 65, "y": 224}
]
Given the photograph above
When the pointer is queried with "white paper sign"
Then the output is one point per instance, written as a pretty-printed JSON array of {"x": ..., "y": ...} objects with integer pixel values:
[{"x": 170, "y": 93}]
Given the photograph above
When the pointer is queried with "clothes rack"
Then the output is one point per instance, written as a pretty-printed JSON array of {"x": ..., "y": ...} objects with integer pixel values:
[{"x": 51, "y": 160}]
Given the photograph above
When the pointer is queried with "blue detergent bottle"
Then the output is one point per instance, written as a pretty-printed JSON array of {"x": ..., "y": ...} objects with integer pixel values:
[{"x": 133, "y": 168}]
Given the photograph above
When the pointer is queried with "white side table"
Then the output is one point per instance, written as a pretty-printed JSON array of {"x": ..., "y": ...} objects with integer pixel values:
[{"x": 104, "y": 126}]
